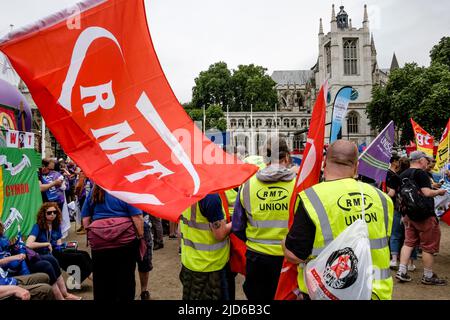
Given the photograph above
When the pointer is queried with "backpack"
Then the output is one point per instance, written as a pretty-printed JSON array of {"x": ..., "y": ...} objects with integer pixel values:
[{"x": 412, "y": 202}]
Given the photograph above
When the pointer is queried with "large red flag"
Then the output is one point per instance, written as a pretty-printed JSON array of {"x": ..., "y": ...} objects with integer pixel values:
[
  {"x": 95, "y": 77},
  {"x": 424, "y": 140},
  {"x": 309, "y": 174}
]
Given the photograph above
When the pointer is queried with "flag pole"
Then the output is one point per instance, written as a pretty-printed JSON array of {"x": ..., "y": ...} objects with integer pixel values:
[
  {"x": 43, "y": 138},
  {"x": 204, "y": 120},
  {"x": 251, "y": 128}
]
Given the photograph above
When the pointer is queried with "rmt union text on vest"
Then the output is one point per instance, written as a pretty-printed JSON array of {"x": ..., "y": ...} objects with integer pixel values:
[
  {"x": 273, "y": 206},
  {"x": 368, "y": 217}
]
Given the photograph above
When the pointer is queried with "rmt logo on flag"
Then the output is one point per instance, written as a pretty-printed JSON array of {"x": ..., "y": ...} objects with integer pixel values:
[{"x": 103, "y": 94}]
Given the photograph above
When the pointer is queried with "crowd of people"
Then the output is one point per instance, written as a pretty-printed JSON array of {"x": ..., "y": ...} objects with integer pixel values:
[{"x": 121, "y": 236}]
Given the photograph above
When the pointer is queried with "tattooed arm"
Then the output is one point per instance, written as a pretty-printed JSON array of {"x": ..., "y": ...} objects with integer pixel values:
[{"x": 220, "y": 229}]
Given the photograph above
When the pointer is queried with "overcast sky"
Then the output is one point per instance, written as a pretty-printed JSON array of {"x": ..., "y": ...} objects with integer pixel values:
[{"x": 189, "y": 35}]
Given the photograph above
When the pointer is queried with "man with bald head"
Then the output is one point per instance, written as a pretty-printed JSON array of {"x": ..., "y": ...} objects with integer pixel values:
[{"x": 328, "y": 208}]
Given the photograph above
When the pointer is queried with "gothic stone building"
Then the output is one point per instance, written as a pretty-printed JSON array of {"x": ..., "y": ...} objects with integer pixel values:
[{"x": 347, "y": 57}]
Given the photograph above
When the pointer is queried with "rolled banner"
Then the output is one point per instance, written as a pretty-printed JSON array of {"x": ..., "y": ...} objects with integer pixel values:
[{"x": 339, "y": 111}]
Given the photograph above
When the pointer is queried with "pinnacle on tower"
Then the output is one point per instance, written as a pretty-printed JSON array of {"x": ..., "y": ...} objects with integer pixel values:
[
  {"x": 394, "y": 63},
  {"x": 320, "y": 27},
  {"x": 350, "y": 24},
  {"x": 372, "y": 43},
  {"x": 333, "y": 14},
  {"x": 366, "y": 18}
]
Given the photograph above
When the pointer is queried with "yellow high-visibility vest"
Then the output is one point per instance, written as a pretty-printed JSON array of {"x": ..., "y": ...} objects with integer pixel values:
[
  {"x": 267, "y": 208},
  {"x": 335, "y": 205},
  {"x": 200, "y": 251}
]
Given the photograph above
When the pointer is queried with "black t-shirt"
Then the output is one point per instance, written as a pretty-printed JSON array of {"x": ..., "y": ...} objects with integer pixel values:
[
  {"x": 300, "y": 238},
  {"x": 422, "y": 180},
  {"x": 420, "y": 177},
  {"x": 393, "y": 182}
]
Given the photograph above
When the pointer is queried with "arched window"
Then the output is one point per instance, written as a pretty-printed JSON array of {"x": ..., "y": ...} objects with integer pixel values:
[
  {"x": 258, "y": 123},
  {"x": 241, "y": 123},
  {"x": 286, "y": 123},
  {"x": 297, "y": 142},
  {"x": 233, "y": 123},
  {"x": 303, "y": 122},
  {"x": 294, "y": 123},
  {"x": 350, "y": 56},
  {"x": 353, "y": 122},
  {"x": 269, "y": 123}
]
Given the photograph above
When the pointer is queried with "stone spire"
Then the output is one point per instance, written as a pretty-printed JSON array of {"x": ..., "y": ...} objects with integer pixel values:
[
  {"x": 333, "y": 20},
  {"x": 394, "y": 63},
  {"x": 320, "y": 28},
  {"x": 366, "y": 18},
  {"x": 372, "y": 44},
  {"x": 350, "y": 24}
]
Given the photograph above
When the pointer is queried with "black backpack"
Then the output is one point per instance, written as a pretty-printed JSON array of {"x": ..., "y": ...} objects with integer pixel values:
[{"x": 412, "y": 202}]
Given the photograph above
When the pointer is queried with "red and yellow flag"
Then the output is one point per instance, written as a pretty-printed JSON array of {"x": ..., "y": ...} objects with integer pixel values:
[
  {"x": 424, "y": 141},
  {"x": 442, "y": 156}
]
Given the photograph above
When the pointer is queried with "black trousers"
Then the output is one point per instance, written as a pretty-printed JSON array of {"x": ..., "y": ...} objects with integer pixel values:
[
  {"x": 79, "y": 258},
  {"x": 113, "y": 272},
  {"x": 263, "y": 272}
]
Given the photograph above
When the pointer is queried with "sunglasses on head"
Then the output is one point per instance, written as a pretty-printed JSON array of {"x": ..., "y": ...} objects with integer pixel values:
[{"x": 50, "y": 212}]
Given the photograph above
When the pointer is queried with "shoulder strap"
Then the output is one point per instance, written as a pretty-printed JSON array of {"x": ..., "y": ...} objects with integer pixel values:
[{"x": 224, "y": 200}]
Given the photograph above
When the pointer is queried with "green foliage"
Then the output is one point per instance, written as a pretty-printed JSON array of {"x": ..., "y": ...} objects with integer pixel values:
[
  {"x": 212, "y": 86},
  {"x": 236, "y": 90},
  {"x": 214, "y": 117},
  {"x": 441, "y": 52},
  {"x": 252, "y": 86},
  {"x": 413, "y": 92}
]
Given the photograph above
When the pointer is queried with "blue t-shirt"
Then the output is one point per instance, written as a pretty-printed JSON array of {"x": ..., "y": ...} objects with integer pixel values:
[
  {"x": 45, "y": 236},
  {"x": 211, "y": 208},
  {"x": 4, "y": 247},
  {"x": 111, "y": 208},
  {"x": 54, "y": 193}
]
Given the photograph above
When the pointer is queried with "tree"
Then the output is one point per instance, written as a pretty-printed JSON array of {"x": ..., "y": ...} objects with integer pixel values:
[
  {"x": 212, "y": 86},
  {"x": 214, "y": 117},
  {"x": 413, "y": 92},
  {"x": 441, "y": 52},
  {"x": 252, "y": 86},
  {"x": 236, "y": 90}
]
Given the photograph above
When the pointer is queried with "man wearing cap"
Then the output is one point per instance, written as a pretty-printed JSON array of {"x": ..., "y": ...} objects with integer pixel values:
[{"x": 425, "y": 233}]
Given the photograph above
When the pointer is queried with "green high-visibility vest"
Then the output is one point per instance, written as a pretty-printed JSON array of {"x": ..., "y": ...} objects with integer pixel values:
[
  {"x": 231, "y": 198},
  {"x": 267, "y": 208},
  {"x": 335, "y": 205},
  {"x": 200, "y": 251}
]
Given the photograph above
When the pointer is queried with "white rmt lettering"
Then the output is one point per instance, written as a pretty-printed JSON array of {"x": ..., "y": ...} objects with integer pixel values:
[
  {"x": 145, "y": 106},
  {"x": 120, "y": 132},
  {"x": 79, "y": 53},
  {"x": 100, "y": 101},
  {"x": 157, "y": 168}
]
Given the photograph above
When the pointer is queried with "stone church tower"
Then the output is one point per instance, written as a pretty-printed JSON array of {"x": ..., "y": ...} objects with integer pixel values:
[{"x": 347, "y": 57}]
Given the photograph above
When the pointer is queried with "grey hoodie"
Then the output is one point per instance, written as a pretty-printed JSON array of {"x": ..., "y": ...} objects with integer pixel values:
[{"x": 275, "y": 173}]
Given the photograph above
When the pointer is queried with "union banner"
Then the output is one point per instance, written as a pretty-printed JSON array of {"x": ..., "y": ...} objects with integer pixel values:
[{"x": 101, "y": 90}]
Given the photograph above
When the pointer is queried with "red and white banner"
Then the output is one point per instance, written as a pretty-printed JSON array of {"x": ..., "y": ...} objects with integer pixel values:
[
  {"x": 308, "y": 175},
  {"x": 424, "y": 140},
  {"x": 93, "y": 72}
]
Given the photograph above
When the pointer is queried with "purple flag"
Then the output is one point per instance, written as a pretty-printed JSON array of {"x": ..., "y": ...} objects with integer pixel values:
[{"x": 374, "y": 161}]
